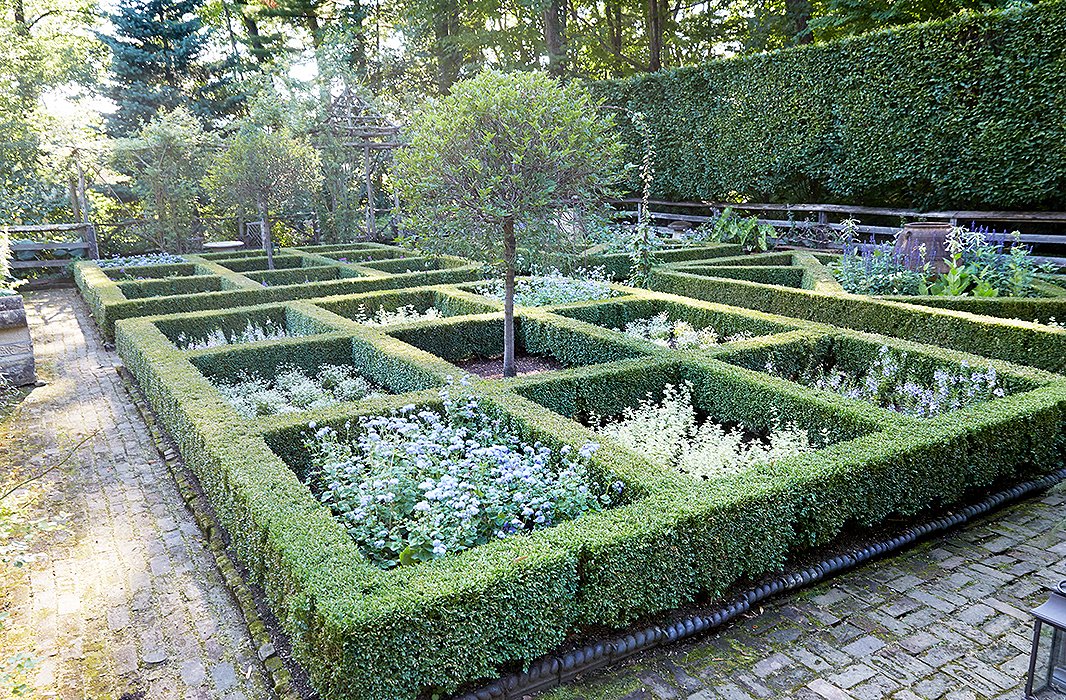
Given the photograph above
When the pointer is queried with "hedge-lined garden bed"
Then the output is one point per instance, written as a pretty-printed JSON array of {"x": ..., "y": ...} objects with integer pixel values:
[
  {"x": 637, "y": 531},
  {"x": 1008, "y": 328},
  {"x": 227, "y": 280}
]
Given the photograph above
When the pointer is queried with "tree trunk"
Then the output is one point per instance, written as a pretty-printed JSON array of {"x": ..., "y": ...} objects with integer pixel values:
[
  {"x": 555, "y": 37},
  {"x": 264, "y": 232},
  {"x": 509, "y": 249},
  {"x": 20, "y": 18},
  {"x": 255, "y": 40},
  {"x": 448, "y": 54},
  {"x": 654, "y": 22},
  {"x": 797, "y": 16}
]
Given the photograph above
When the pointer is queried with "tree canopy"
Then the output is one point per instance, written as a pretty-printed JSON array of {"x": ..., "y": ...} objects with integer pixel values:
[
  {"x": 267, "y": 171},
  {"x": 505, "y": 161}
]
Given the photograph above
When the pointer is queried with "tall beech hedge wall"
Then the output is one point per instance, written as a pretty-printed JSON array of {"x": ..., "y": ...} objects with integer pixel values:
[{"x": 968, "y": 112}]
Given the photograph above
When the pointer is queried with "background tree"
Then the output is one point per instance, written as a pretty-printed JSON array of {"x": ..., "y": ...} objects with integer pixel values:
[
  {"x": 167, "y": 160},
  {"x": 47, "y": 46},
  {"x": 493, "y": 165},
  {"x": 155, "y": 61},
  {"x": 273, "y": 171}
]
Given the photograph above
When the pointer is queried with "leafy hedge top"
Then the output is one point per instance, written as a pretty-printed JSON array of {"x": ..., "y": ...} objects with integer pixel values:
[{"x": 961, "y": 113}]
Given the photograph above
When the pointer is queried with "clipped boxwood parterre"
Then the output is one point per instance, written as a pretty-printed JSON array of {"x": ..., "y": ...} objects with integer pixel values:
[
  {"x": 228, "y": 280},
  {"x": 364, "y": 632},
  {"x": 1000, "y": 327}
]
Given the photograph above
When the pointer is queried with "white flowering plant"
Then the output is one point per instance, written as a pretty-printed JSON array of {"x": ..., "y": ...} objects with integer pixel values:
[
  {"x": 141, "y": 260},
  {"x": 677, "y": 333},
  {"x": 892, "y": 383},
  {"x": 292, "y": 390},
  {"x": 551, "y": 287},
  {"x": 669, "y": 430},
  {"x": 403, "y": 314},
  {"x": 253, "y": 331},
  {"x": 417, "y": 484}
]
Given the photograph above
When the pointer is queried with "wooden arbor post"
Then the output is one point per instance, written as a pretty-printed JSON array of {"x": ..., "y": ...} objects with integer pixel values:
[{"x": 361, "y": 129}]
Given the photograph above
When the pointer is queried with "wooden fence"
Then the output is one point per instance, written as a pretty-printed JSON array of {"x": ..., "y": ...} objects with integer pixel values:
[
  {"x": 830, "y": 216},
  {"x": 86, "y": 244}
]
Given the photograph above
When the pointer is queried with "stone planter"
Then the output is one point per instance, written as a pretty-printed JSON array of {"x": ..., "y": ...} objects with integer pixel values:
[
  {"x": 16, "y": 347},
  {"x": 933, "y": 235}
]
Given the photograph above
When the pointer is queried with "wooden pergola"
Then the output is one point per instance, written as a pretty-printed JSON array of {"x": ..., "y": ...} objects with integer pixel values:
[{"x": 360, "y": 128}]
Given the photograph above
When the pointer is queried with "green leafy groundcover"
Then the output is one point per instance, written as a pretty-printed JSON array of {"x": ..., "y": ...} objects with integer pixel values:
[
  {"x": 961, "y": 113},
  {"x": 367, "y": 632}
]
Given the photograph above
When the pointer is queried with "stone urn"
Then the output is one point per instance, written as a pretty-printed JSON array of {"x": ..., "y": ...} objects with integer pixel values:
[
  {"x": 931, "y": 234},
  {"x": 16, "y": 347}
]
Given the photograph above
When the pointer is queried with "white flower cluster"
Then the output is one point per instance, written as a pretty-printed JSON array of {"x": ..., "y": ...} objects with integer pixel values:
[
  {"x": 292, "y": 391},
  {"x": 670, "y": 431},
  {"x": 416, "y": 484},
  {"x": 890, "y": 384},
  {"x": 677, "y": 334},
  {"x": 251, "y": 333},
  {"x": 404, "y": 314},
  {"x": 551, "y": 287}
]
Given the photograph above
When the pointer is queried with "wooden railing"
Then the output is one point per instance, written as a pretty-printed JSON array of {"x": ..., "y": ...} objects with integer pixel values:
[
  {"x": 829, "y": 216},
  {"x": 87, "y": 244}
]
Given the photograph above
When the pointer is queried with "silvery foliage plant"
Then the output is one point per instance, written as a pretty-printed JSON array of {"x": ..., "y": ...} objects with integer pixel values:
[
  {"x": 292, "y": 390},
  {"x": 551, "y": 287},
  {"x": 669, "y": 430},
  {"x": 889, "y": 383},
  {"x": 677, "y": 334}
]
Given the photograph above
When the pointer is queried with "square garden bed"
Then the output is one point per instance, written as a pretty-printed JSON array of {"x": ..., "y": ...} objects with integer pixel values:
[
  {"x": 399, "y": 266},
  {"x": 675, "y": 325},
  {"x": 301, "y": 375},
  {"x": 298, "y": 275},
  {"x": 475, "y": 345},
  {"x": 217, "y": 329},
  {"x": 706, "y": 421},
  {"x": 431, "y": 475},
  {"x": 909, "y": 382},
  {"x": 254, "y": 263},
  {"x": 361, "y": 255},
  {"x": 550, "y": 290},
  {"x": 169, "y": 286},
  {"x": 399, "y": 307}
]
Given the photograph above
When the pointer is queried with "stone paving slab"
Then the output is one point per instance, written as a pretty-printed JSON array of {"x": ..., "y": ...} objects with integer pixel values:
[
  {"x": 128, "y": 603},
  {"x": 947, "y": 620}
]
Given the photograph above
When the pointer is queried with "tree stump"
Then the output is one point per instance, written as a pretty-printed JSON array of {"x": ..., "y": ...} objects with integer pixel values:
[{"x": 931, "y": 234}]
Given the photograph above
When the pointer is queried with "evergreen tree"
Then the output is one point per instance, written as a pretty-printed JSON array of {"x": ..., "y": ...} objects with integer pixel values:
[{"x": 154, "y": 60}]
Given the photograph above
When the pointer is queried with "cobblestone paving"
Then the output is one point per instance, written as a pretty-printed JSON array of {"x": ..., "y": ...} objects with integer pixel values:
[
  {"x": 948, "y": 619},
  {"x": 128, "y": 603}
]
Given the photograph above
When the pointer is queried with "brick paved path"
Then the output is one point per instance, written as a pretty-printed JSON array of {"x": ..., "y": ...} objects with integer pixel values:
[
  {"x": 947, "y": 619},
  {"x": 128, "y": 604}
]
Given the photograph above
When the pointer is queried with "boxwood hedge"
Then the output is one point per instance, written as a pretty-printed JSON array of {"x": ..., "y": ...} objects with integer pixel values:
[
  {"x": 241, "y": 279},
  {"x": 388, "y": 635},
  {"x": 1000, "y": 328}
]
